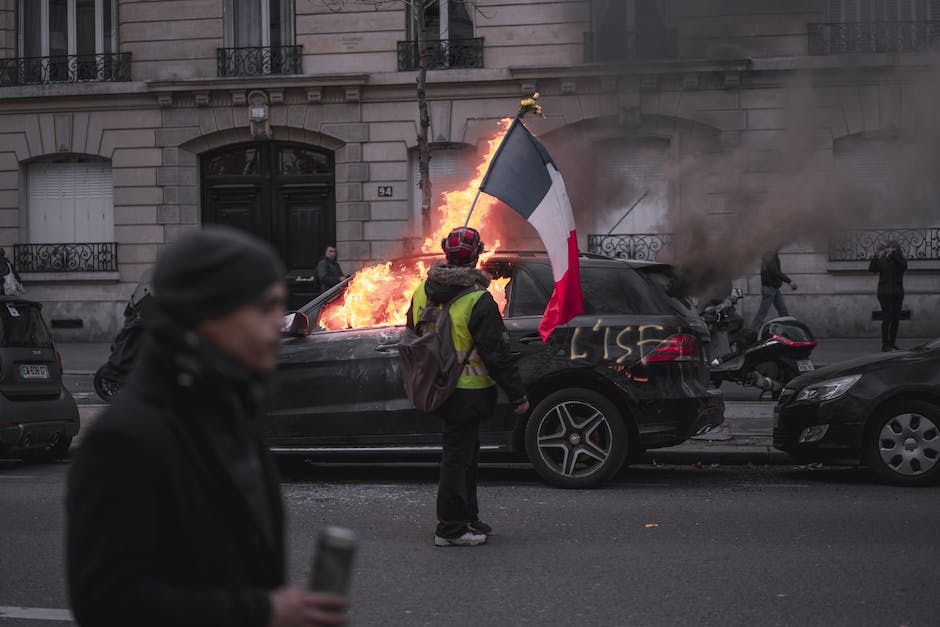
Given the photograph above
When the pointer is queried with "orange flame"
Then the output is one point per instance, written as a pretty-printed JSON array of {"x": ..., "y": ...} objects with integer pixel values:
[{"x": 380, "y": 295}]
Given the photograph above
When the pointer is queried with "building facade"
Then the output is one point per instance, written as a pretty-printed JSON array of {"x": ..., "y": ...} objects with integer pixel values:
[{"x": 126, "y": 122}]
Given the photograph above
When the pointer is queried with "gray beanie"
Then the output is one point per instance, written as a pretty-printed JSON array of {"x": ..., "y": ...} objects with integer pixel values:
[{"x": 213, "y": 272}]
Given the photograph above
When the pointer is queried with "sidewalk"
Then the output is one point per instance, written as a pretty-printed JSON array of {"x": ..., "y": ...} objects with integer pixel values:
[{"x": 746, "y": 436}]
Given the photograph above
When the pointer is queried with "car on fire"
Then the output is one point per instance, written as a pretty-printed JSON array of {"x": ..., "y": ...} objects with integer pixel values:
[
  {"x": 882, "y": 410},
  {"x": 626, "y": 376}
]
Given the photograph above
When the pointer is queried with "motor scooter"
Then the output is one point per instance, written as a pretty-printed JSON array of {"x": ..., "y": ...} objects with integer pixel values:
[
  {"x": 113, "y": 375},
  {"x": 767, "y": 358}
]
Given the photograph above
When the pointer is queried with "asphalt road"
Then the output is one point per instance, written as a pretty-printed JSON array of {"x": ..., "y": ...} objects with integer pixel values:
[{"x": 659, "y": 546}]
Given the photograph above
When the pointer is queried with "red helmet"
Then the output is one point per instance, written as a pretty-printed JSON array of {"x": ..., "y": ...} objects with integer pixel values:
[{"x": 462, "y": 247}]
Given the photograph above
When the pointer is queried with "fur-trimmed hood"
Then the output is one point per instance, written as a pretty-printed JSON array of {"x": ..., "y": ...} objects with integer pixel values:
[{"x": 446, "y": 281}]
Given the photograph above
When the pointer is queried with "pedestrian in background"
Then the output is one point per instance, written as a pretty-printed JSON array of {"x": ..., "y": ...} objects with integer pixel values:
[
  {"x": 481, "y": 340},
  {"x": 889, "y": 264},
  {"x": 772, "y": 279},
  {"x": 174, "y": 512},
  {"x": 329, "y": 272},
  {"x": 10, "y": 282}
]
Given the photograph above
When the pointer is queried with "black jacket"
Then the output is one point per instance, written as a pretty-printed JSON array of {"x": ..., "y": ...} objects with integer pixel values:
[
  {"x": 174, "y": 513},
  {"x": 329, "y": 273},
  {"x": 770, "y": 273},
  {"x": 490, "y": 338},
  {"x": 890, "y": 270}
]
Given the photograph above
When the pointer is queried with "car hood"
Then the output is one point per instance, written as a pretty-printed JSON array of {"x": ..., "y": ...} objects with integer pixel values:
[{"x": 859, "y": 365}]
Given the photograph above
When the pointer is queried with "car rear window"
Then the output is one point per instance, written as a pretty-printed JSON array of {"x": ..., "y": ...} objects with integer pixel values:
[
  {"x": 620, "y": 290},
  {"x": 22, "y": 325}
]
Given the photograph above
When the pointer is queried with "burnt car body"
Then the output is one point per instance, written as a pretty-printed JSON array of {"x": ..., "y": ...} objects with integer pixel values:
[
  {"x": 38, "y": 416},
  {"x": 626, "y": 376},
  {"x": 882, "y": 410}
]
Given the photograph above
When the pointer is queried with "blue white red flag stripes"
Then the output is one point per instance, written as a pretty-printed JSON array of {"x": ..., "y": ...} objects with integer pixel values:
[{"x": 523, "y": 175}]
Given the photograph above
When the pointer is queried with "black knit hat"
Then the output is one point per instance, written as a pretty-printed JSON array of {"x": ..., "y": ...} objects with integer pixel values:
[{"x": 213, "y": 272}]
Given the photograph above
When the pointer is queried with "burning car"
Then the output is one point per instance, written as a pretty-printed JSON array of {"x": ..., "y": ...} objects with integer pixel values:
[{"x": 626, "y": 376}]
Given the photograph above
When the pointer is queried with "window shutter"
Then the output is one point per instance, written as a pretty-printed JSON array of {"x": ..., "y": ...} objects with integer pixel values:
[
  {"x": 70, "y": 202},
  {"x": 628, "y": 169},
  {"x": 450, "y": 169},
  {"x": 94, "y": 203}
]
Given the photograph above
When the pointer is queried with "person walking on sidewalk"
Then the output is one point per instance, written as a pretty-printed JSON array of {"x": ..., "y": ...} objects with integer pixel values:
[
  {"x": 478, "y": 330},
  {"x": 772, "y": 279},
  {"x": 889, "y": 264},
  {"x": 174, "y": 513}
]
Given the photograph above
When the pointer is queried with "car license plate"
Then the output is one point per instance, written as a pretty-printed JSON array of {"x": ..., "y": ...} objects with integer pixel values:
[
  {"x": 805, "y": 365},
  {"x": 34, "y": 372}
]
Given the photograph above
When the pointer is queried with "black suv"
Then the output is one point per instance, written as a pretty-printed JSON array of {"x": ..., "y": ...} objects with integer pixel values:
[
  {"x": 38, "y": 416},
  {"x": 628, "y": 375}
]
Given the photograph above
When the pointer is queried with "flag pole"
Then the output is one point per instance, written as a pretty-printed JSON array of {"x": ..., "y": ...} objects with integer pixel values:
[
  {"x": 472, "y": 205},
  {"x": 479, "y": 188}
]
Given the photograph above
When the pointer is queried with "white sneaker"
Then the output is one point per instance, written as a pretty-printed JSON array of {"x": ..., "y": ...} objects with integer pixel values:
[{"x": 467, "y": 539}]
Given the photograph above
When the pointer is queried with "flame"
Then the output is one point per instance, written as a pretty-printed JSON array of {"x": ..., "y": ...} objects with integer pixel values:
[{"x": 380, "y": 295}]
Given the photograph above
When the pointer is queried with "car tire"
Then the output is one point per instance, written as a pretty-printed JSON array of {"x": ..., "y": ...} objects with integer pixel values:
[
  {"x": 576, "y": 438},
  {"x": 106, "y": 385},
  {"x": 60, "y": 450},
  {"x": 903, "y": 443}
]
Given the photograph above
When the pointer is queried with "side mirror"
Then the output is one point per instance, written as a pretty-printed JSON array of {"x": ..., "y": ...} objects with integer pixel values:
[{"x": 296, "y": 324}]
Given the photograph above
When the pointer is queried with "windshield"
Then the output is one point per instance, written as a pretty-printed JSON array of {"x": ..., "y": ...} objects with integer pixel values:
[{"x": 21, "y": 325}]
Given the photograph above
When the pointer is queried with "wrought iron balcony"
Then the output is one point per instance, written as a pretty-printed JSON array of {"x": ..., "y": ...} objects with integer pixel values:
[
  {"x": 82, "y": 68},
  {"x": 441, "y": 54},
  {"x": 644, "y": 246},
  {"x": 97, "y": 257},
  {"x": 259, "y": 61},
  {"x": 861, "y": 244},
  {"x": 861, "y": 37},
  {"x": 622, "y": 46}
]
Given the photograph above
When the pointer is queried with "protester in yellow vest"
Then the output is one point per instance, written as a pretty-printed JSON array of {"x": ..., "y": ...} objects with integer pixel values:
[{"x": 478, "y": 330}]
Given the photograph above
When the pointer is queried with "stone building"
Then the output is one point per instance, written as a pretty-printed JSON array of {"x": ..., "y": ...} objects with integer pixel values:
[{"x": 126, "y": 122}]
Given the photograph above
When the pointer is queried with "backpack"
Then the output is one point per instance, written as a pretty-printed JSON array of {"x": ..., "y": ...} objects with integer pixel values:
[{"x": 430, "y": 367}]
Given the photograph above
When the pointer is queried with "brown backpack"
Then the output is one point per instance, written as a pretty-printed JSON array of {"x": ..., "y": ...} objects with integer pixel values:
[{"x": 429, "y": 363}]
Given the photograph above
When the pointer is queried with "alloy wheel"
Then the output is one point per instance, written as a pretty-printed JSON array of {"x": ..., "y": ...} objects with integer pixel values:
[
  {"x": 909, "y": 444},
  {"x": 574, "y": 439}
]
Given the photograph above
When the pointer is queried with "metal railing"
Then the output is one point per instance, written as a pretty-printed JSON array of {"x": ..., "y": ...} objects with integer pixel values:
[
  {"x": 441, "y": 54},
  {"x": 614, "y": 47},
  {"x": 82, "y": 68},
  {"x": 862, "y": 37},
  {"x": 643, "y": 246},
  {"x": 259, "y": 61},
  {"x": 860, "y": 244},
  {"x": 95, "y": 257}
]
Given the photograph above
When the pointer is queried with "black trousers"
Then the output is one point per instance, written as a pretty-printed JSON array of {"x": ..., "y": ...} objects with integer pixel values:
[
  {"x": 890, "y": 317},
  {"x": 457, "y": 502}
]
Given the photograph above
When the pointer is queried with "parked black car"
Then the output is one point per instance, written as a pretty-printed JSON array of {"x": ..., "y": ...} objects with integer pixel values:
[
  {"x": 627, "y": 376},
  {"x": 38, "y": 416},
  {"x": 882, "y": 410}
]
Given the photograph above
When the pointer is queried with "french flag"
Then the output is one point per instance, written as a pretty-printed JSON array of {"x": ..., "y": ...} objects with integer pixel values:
[{"x": 523, "y": 175}]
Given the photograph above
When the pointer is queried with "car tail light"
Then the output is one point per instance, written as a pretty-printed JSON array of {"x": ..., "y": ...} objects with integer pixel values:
[
  {"x": 58, "y": 359},
  {"x": 794, "y": 343},
  {"x": 676, "y": 348}
]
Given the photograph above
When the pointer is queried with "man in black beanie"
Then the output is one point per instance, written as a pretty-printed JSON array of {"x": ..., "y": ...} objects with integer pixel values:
[{"x": 174, "y": 513}]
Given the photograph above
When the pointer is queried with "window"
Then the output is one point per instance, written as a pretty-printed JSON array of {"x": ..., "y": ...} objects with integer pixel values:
[
  {"x": 851, "y": 11},
  {"x": 612, "y": 290},
  {"x": 625, "y": 30},
  {"x": 259, "y": 23},
  {"x": 447, "y": 28},
  {"x": 527, "y": 298},
  {"x": 632, "y": 186},
  {"x": 443, "y": 20},
  {"x": 58, "y": 28},
  {"x": 450, "y": 169},
  {"x": 21, "y": 325},
  {"x": 70, "y": 202}
]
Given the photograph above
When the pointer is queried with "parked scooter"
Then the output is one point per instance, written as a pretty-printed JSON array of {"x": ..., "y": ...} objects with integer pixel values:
[
  {"x": 113, "y": 375},
  {"x": 767, "y": 358}
]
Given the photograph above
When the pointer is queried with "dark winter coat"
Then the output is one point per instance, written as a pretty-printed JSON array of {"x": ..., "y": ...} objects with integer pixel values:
[
  {"x": 490, "y": 338},
  {"x": 890, "y": 270},
  {"x": 174, "y": 507},
  {"x": 329, "y": 273},
  {"x": 770, "y": 273}
]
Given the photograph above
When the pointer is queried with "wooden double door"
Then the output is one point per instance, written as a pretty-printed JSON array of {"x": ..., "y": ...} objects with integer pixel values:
[{"x": 281, "y": 192}]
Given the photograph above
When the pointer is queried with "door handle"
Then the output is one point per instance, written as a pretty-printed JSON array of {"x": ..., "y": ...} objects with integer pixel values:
[
  {"x": 387, "y": 348},
  {"x": 530, "y": 339},
  {"x": 305, "y": 279}
]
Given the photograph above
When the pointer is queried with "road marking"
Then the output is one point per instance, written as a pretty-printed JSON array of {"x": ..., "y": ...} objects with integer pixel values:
[{"x": 36, "y": 613}]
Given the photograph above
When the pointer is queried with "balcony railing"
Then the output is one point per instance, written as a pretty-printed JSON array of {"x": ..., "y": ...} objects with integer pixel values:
[
  {"x": 441, "y": 54},
  {"x": 644, "y": 246},
  {"x": 82, "y": 68},
  {"x": 618, "y": 47},
  {"x": 861, "y": 244},
  {"x": 861, "y": 37},
  {"x": 97, "y": 257},
  {"x": 259, "y": 61}
]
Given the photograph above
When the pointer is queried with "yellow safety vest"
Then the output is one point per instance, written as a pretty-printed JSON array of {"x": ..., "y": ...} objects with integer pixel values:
[{"x": 475, "y": 376}]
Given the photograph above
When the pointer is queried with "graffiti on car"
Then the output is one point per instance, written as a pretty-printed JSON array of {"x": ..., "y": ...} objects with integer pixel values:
[{"x": 610, "y": 344}]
